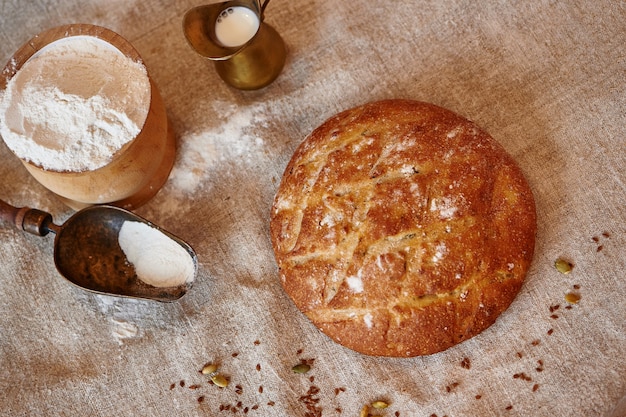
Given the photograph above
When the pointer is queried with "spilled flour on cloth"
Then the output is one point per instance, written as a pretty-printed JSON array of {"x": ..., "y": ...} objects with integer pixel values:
[
  {"x": 234, "y": 138},
  {"x": 124, "y": 330}
]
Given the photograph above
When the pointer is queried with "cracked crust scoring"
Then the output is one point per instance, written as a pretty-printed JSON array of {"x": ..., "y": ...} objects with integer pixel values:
[{"x": 402, "y": 229}]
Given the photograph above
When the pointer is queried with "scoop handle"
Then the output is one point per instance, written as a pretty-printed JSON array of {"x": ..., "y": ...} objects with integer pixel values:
[{"x": 30, "y": 220}]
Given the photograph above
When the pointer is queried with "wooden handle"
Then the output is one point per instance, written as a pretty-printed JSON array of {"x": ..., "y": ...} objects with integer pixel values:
[
  {"x": 8, "y": 213},
  {"x": 29, "y": 220}
]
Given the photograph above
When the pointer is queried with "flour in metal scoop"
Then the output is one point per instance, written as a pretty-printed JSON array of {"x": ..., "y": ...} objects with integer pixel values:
[{"x": 158, "y": 260}]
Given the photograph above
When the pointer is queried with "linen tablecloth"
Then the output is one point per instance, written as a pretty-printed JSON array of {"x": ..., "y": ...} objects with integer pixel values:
[{"x": 546, "y": 79}]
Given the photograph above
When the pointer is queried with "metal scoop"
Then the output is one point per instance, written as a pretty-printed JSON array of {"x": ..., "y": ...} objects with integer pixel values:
[{"x": 87, "y": 252}]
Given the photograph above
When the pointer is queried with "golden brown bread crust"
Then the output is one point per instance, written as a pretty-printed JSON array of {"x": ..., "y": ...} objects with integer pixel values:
[{"x": 402, "y": 229}]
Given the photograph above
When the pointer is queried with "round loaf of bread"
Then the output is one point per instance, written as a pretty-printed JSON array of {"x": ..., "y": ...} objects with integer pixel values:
[{"x": 401, "y": 229}]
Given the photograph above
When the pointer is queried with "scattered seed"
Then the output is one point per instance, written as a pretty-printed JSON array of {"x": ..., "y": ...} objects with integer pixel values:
[
  {"x": 301, "y": 368},
  {"x": 194, "y": 386},
  {"x": 365, "y": 411},
  {"x": 465, "y": 363},
  {"x": 535, "y": 342},
  {"x": 379, "y": 405},
  {"x": 172, "y": 386},
  {"x": 299, "y": 352},
  {"x": 554, "y": 316},
  {"x": 208, "y": 369},
  {"x": 550, "y": 332},
  {"x": 219, "y": 380},
  {"x": 535, "y": 387},
  {"x": 260, "y": 389},
  {"x": 509, "y": 407},
  {"x": 182, "y": 383},
  {"x": 271, "y": 403},
  {"x": 478, "y": 396},
  {"x": 563, "y": 266},
  {"x": 606, "y": 234},
  {"x": 600, "y": 248},
  {"x": 311, "y": 402},
  {"x": 258, "y": 366},
  {"x": 201, "y": 398},
  {"x": 235, "y": 354},
  {"x": 452, "y": 386},
  {"x": 572, "y": 297},
  {"x": 257, "y": 342}
]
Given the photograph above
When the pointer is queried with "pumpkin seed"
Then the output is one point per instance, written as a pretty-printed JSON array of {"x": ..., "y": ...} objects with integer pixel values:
[
  {"x": 379, "y": 405},
  {"x": 572, "y": 297},
  {"x": 301, "y": 368},
  {"x": 365, "y": 411},
  {"x": 209, "y": 368},
  {"x": 563, "y": 266},
  {"x": 219, "y": 380}
]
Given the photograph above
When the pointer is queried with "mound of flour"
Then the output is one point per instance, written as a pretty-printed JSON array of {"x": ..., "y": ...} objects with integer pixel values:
[
  {"x": 74, "y": 104},
  {"x": 158, "y": 260}
]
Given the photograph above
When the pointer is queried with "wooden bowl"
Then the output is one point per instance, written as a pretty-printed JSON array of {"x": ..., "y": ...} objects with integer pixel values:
[{"x": 138, "y": 170}]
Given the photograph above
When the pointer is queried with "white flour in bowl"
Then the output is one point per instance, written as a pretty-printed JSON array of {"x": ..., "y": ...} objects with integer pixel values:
[
  {"x": 74, "y": 104},
  {"x": 158, "y": 260}
]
